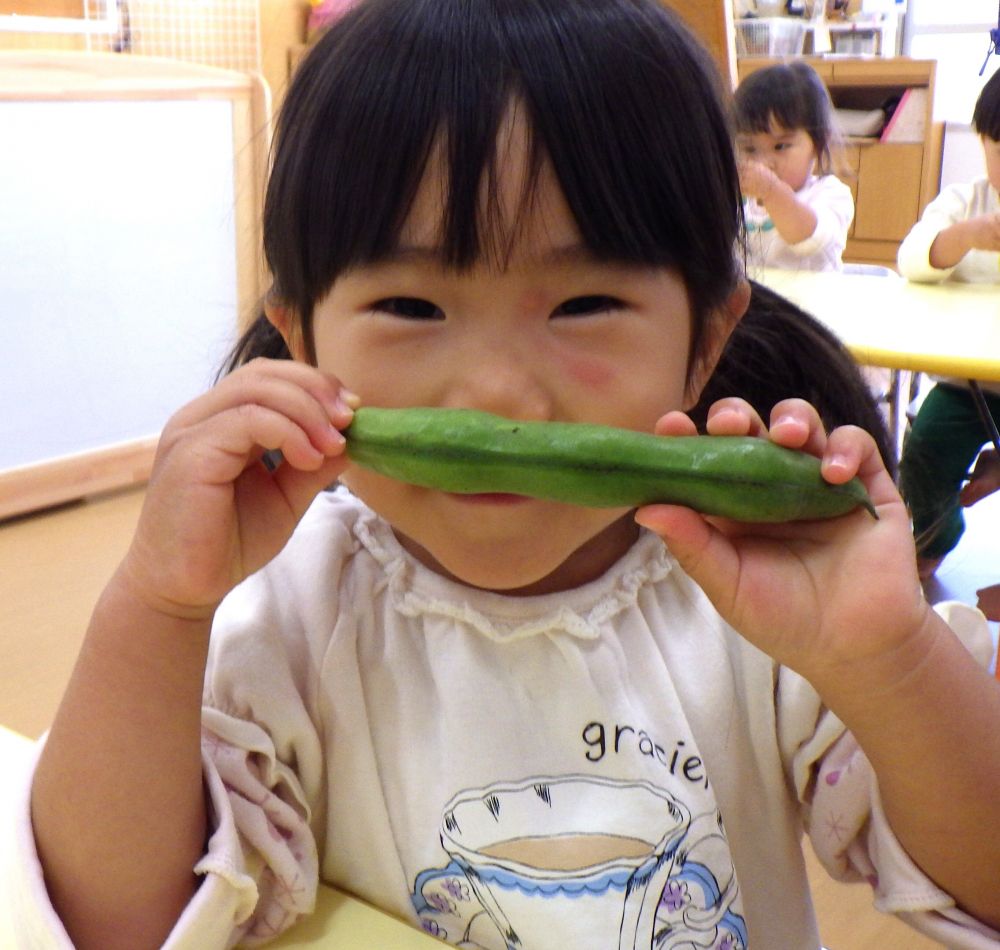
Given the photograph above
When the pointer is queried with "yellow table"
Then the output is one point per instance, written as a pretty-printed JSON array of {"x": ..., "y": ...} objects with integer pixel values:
[
  {"x": 952, "y": 329},
  {"x": 340, "y": 922}
]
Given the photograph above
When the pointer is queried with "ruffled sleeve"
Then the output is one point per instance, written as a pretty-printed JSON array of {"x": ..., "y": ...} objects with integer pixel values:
[
  {"x": 853, "y": 840},
  {"x": 261, "y": 867}
]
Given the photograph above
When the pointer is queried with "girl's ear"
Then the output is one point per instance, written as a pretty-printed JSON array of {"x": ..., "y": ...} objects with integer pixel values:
[
  {"x": 714, "y": 340},
  {"x": 285, "y": 320}
]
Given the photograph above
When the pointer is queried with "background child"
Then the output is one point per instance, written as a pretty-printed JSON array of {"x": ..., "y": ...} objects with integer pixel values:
[
  {"x": 507, "y": 719},
  {"x": 956, "y": 238},
  {"x": 798, "y": 213}
]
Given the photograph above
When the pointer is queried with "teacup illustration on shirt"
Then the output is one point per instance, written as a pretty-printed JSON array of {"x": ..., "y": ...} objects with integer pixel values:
[{"x": 573, "y": 861}]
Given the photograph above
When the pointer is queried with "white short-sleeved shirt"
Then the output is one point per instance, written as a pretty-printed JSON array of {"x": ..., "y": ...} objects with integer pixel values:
[{"x": 588, "y": 769}]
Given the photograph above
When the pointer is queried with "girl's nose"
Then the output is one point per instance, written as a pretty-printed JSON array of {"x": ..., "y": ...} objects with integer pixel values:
[{"x": 505, "y": 378}]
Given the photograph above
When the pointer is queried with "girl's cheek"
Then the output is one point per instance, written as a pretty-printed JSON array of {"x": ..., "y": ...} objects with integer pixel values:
[{"x": 591, "y": 373}]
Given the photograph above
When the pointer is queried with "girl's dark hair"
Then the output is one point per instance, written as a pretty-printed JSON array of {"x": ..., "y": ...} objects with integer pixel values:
[
  {"x": 986, "y": 115},
  {"x": 618, "y": 96},
  {"x": 793, "y": 96},
  {"x": 779, "y": 351}
]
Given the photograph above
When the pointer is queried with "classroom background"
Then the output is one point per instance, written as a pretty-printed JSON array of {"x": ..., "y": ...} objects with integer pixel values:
[{"x": 129, "y": 118}]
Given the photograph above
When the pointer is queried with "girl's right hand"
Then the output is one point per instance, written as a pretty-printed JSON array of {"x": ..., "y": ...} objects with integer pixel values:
[
  {"x": 757, "y": 181},
  {"x": 984, "y": 232},
  {"x": 213, "y": 513}
]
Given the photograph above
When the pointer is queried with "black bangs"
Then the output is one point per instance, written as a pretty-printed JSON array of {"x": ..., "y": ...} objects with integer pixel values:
[
  {"x": 356, "y": 131},
  {"x": 628, "y": 108},
  {"x": 986, "y": 115},
  {"x": 615, "y": 93},
  {"x": 792, "y": 95}
]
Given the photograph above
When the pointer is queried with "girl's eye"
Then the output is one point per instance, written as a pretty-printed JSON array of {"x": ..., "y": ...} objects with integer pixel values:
[
  {"x": 409, "y": 308},
  {"x": 586, "y": 306}
]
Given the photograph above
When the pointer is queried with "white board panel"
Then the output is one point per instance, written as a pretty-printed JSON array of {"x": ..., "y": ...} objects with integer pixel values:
[{"x": 118, "y": 288}]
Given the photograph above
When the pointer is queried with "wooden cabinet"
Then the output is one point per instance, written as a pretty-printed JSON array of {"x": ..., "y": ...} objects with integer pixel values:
[
  {"x": 892, "y": 181},
  {"x": 712, "y": 22}
]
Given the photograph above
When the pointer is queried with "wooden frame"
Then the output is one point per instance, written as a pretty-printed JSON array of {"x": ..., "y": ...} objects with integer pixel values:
[{"x": 712, "y": 21}]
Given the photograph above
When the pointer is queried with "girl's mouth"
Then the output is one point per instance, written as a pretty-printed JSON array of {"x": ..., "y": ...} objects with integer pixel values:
[{"x": 490, "y": 498}]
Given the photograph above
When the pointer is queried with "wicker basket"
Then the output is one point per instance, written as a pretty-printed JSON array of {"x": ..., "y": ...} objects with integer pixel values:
[{"x": 770, "y": 36}]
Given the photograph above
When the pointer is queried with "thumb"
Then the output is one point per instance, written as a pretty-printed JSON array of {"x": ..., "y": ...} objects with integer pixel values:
[{"x": 705, "y": 553}]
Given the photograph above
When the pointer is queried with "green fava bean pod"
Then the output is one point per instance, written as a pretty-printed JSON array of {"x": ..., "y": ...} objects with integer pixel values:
[{"x": 466, "y": 451}]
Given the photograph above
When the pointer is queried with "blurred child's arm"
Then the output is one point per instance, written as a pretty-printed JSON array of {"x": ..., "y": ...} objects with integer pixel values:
[
  {"x": 939, "y": 241},
  {"x": 794, "y": 219},
  {"x": 118, "y": 802},
  {"x": 954, "y": 242},
  {"x": 840, "y": 603}
]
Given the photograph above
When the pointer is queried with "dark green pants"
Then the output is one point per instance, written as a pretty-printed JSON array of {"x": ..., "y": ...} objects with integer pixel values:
[{"x": 942, "y": 444}]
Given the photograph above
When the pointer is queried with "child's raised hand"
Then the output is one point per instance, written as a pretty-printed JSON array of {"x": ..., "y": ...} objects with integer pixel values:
[
  {"x": 756, "y": 180},
  {"x": 213, "y": 513},
  {"x": 818, "y": 596}
]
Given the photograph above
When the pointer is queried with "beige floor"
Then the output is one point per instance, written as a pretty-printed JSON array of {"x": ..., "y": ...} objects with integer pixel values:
[{"x": 54, "y": 564}]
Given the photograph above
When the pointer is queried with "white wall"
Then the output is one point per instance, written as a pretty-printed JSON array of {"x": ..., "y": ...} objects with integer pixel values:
[
  {"x": 962, "y": 159},
  {"x": 956, "y": 34}
]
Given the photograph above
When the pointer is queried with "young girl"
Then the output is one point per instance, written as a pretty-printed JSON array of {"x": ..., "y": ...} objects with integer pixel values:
[
  {"x": 798, "y": 212},
  {"x": 512, "y": 722}
]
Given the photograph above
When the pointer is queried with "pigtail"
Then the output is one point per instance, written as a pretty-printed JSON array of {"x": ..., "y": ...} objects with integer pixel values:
[{"x": 260, "y": 339}]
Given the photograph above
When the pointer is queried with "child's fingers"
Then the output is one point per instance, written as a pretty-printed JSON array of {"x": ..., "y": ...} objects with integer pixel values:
[
  {"x": 675, "y": 423},
  {"x": 734, "y": 416},
  {"x": 729, "y": 416},
  {"x": 312, "y": 402},
  {"x": 796, "y": 424},
  {"x": 281, "y": 384},
  {"x": 219, "y": 449},
  {"x": 851, "y": 451},
  {"x": 847, "y": 450}
]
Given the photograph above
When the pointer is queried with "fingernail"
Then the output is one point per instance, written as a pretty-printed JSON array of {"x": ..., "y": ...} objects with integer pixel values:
[{"x": 836, "y": 460}]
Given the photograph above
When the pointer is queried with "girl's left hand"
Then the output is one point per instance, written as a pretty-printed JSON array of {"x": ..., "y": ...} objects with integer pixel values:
[{"x": 820, "y": 597}]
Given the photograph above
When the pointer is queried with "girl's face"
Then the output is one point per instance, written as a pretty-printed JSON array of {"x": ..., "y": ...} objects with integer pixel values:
[
  {"x": 991, "y": 152},
  {"x": 789, "y": 153},
  {"x": 548, "y": 333}
]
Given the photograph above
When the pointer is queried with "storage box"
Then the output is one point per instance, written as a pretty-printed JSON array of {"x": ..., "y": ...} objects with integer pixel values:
[{"x": 770, "y": 36}]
